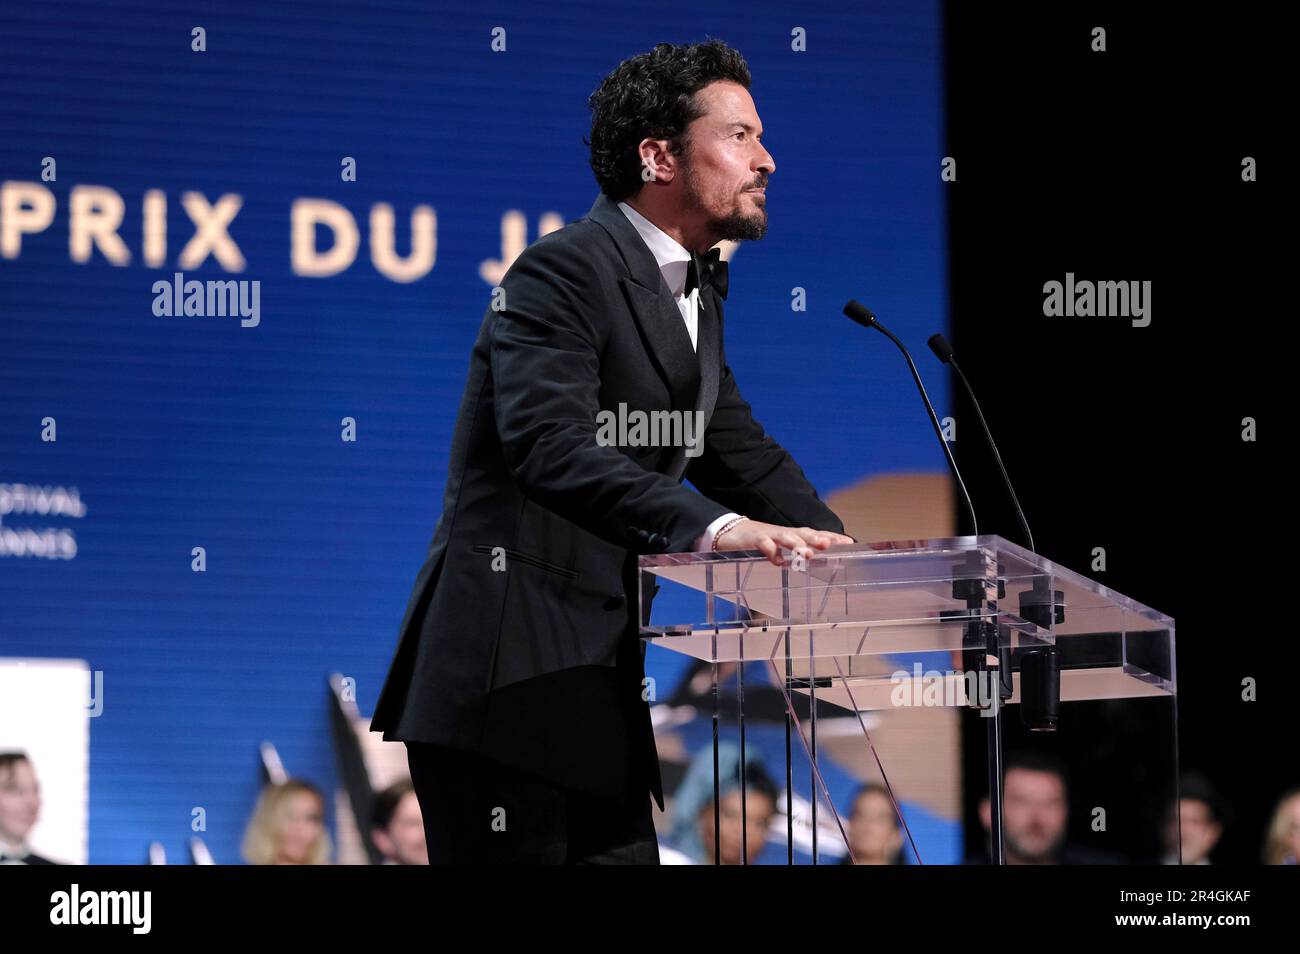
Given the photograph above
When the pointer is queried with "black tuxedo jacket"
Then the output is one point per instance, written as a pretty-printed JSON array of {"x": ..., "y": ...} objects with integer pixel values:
[
  {"x": 530, "y": 654},
  {"x": 31, "y": 858}
]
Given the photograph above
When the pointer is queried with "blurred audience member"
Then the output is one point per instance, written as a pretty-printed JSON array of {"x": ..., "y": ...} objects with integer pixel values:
[
  {"x": 1282, "y": 846},
  {"x": 396, "y": 826},
  {"x": 288, "y": 826},
  {"x": 20, "y": 807},
  {"x": 875, "y": 836},
  {"x": 1200, "y": 817},
  {"x": 1035, "y": 811},
  {"x": 693, "y": 822}
]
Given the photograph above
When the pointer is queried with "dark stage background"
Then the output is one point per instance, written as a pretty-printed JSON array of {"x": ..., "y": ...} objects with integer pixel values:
[{"x": 1126, "y": 165}]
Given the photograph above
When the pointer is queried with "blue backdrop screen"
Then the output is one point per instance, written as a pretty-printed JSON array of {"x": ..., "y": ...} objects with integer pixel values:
[{"x": 127, "y": 156}]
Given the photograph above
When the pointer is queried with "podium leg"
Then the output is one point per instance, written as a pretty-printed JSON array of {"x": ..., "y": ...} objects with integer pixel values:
[
  {"x": 812, "y": 738},
  {"x": 740, "y": 714},
  {"x": 997, "y": 849},
  {"x": 717, "y": 788},
  {"x": 789, "y": 765}
]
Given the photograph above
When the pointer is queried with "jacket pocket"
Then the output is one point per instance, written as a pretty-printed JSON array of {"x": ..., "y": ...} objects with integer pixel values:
[{"x": 529, "y": 559}]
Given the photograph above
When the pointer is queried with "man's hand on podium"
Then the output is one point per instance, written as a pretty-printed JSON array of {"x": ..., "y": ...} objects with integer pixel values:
[{"x": 770, "y": 539}]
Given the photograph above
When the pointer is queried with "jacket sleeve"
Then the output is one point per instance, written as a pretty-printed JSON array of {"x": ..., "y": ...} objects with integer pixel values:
[
  {"x": 745, "y": 469},
  {"x": 545, "y": 348}
]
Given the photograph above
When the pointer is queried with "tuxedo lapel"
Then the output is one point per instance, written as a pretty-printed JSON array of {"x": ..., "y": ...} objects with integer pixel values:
[
  {"x": 653, "y": 307},
  {"x": 691, "y": 373}
]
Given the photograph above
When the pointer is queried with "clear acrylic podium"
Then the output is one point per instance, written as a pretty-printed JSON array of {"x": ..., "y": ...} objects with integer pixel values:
[{"x": 884, "y": 655}]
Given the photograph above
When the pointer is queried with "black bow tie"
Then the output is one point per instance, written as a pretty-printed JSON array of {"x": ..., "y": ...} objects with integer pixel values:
[{"x": 705, "y": 270}]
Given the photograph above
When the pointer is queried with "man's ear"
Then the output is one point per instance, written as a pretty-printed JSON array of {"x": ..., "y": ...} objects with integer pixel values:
[{"x": 658, "y": 162}]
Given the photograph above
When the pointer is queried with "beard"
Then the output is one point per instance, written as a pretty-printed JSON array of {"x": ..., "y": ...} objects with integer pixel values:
[{"x": 737, "y": 225}]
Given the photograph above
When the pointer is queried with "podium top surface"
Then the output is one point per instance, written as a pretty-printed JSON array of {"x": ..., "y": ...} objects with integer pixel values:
[{"x": 905, "y": 579}]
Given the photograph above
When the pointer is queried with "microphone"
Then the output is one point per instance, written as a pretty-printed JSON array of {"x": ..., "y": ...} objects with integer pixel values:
[
  {"x": 943, "y": 351},
  {"x": 1040, "y": 676},
  {"x": 867, "y": 319}
]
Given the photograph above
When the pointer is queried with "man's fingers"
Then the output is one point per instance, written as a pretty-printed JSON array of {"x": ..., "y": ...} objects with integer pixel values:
[
  {"x": 792, "y": 540},
  {"x": 769, "y": 548},
  {"x": 821, "y": 539},
  {"x": 801, "y": 540},
  {"x": 809, "y": 536},
  {"x": 831, "y": 538},
  {"x": 776, "y": 542}
]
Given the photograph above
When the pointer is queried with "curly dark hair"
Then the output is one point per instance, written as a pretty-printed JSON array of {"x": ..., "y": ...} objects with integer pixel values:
[{"x": 652, "y": 95}]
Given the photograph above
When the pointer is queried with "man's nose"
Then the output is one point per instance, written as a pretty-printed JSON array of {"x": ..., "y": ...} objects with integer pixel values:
[{"x": 765, "y": 161}]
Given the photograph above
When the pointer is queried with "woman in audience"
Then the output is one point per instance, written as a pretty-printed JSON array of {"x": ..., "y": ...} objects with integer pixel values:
[
  {"x": 288, "y": 826},
  {"x": 1283, "y": 844}
]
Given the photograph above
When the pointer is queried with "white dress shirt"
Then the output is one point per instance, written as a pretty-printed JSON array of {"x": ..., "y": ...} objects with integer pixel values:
[
  {"x": 11, "y": 854},
  {"x": 673, "y": 262}
]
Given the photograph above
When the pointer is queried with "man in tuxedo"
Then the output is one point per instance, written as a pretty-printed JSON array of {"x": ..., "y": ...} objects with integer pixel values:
[
  {"x": 518, "y": 680},
  {"x": 20, "y": 807}
]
